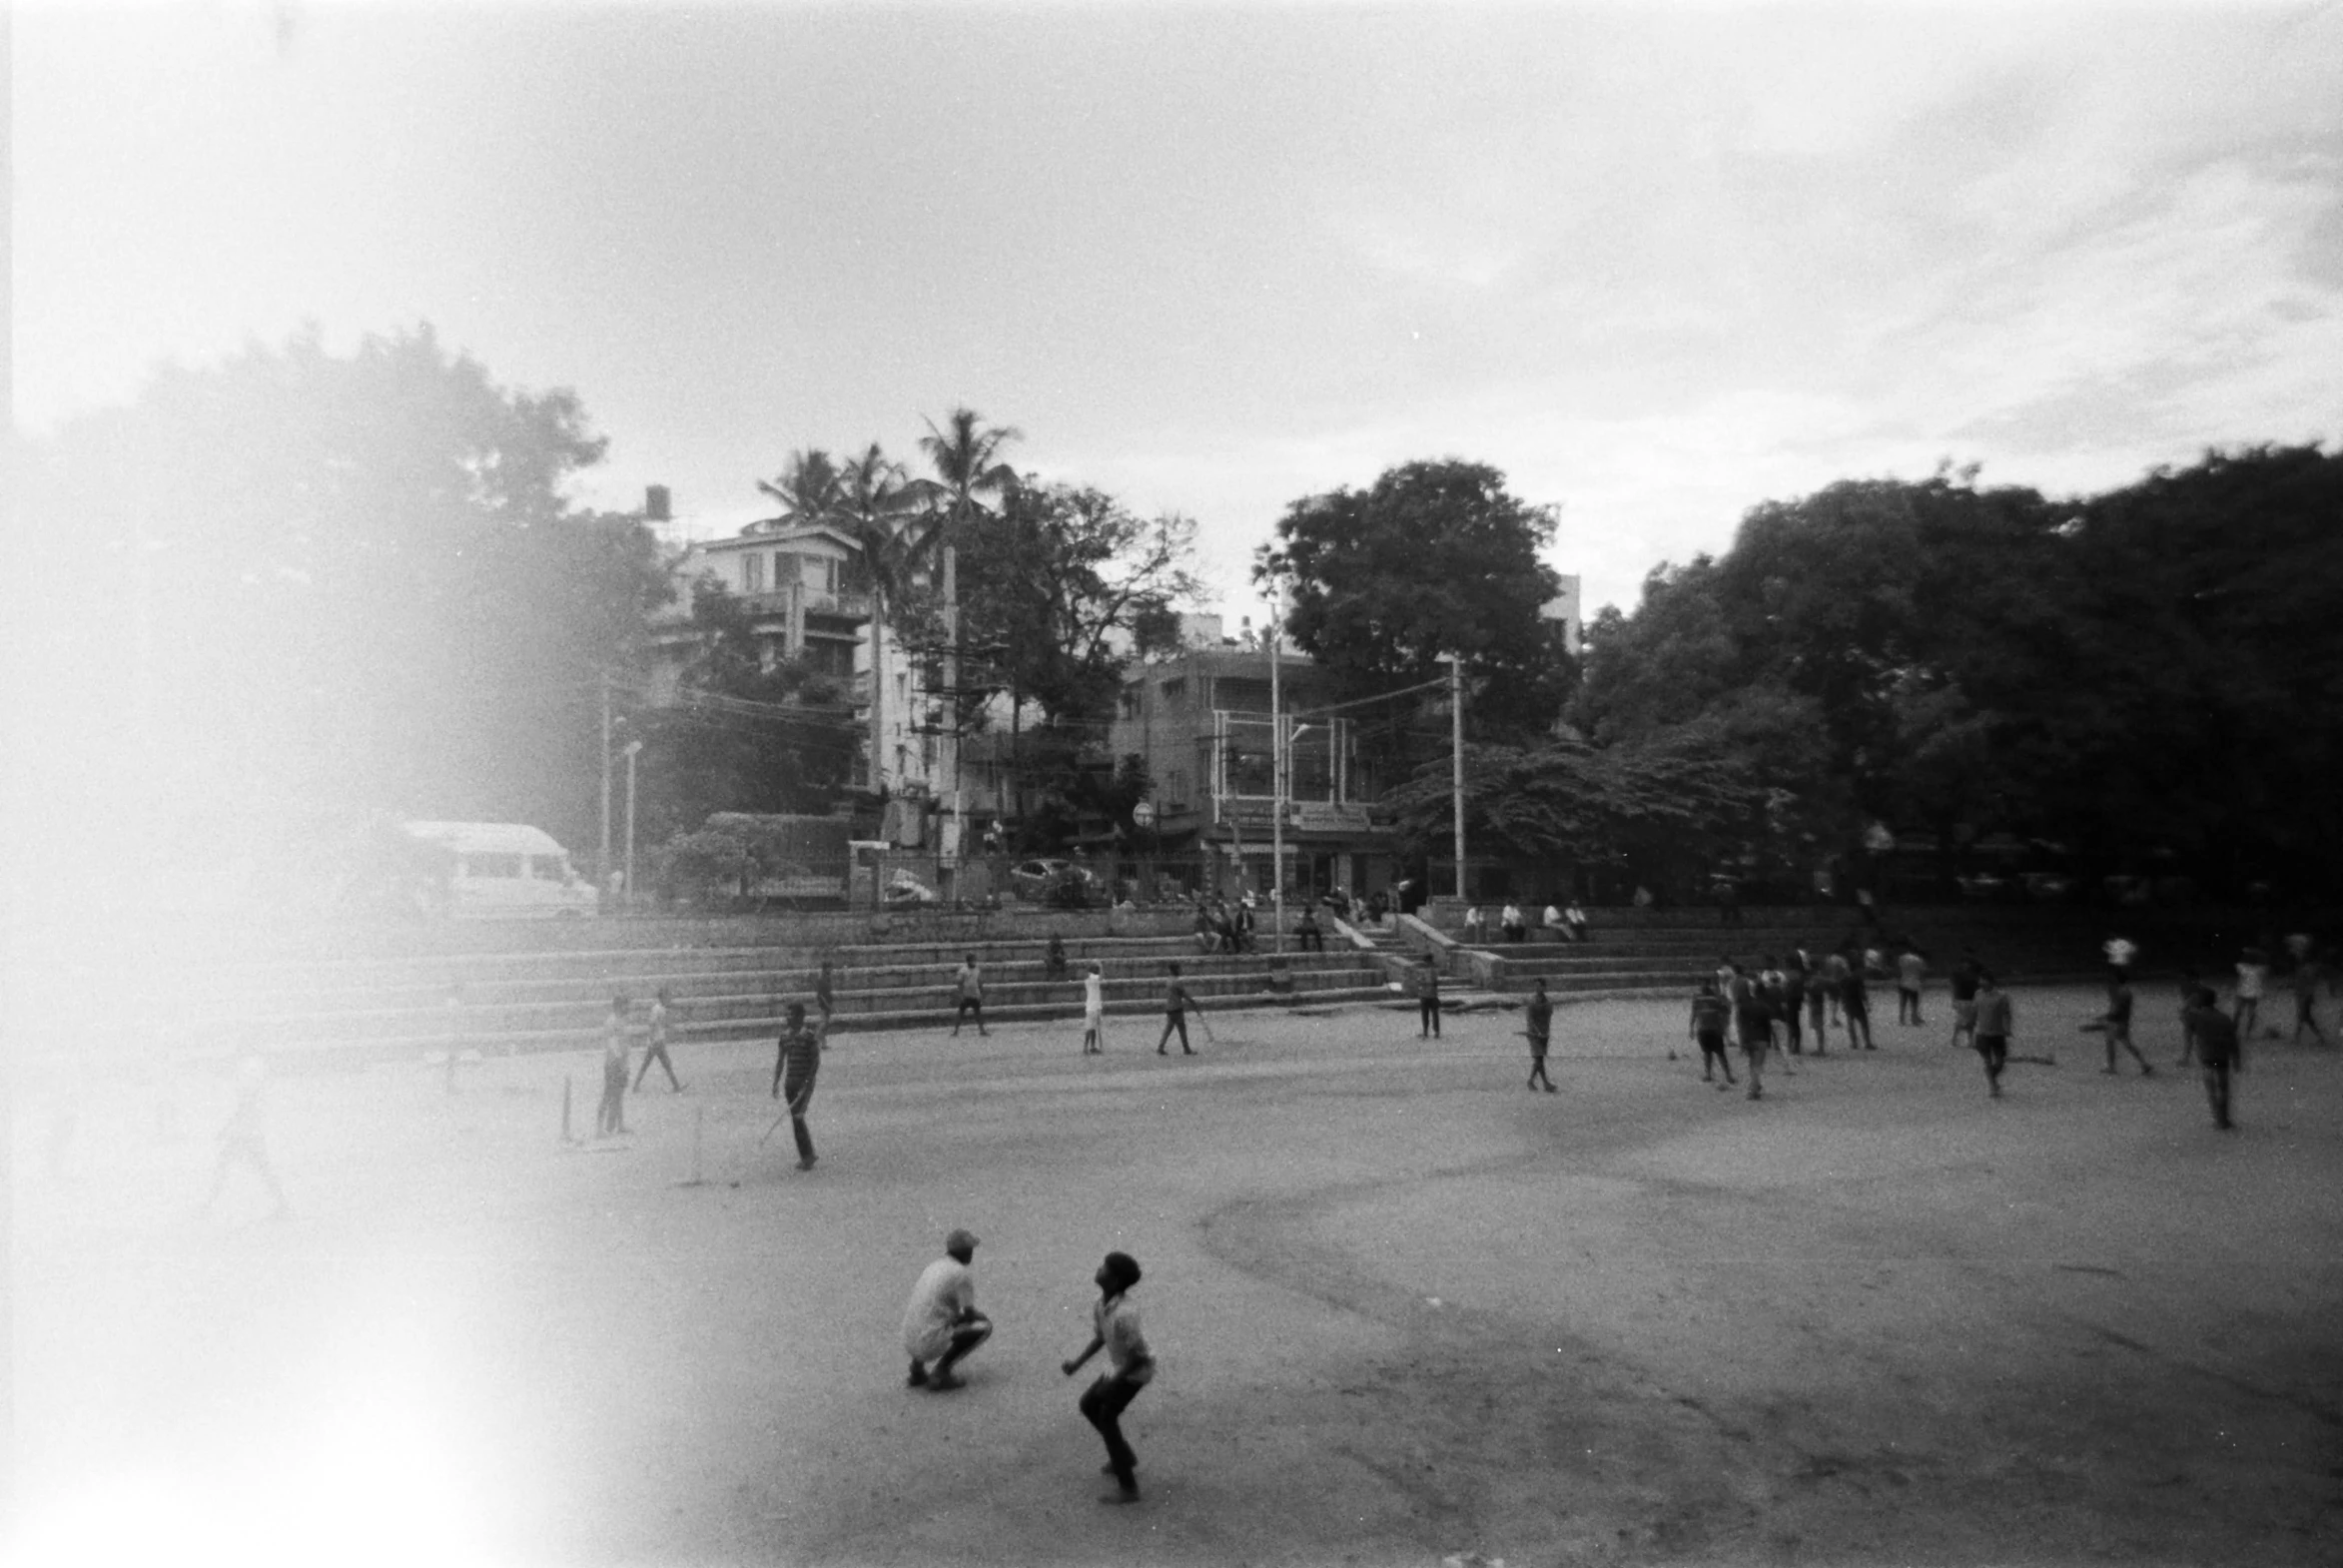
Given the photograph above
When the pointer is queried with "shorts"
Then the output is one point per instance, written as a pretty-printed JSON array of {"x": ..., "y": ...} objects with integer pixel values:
[{"x": 1712, "y": 1043}]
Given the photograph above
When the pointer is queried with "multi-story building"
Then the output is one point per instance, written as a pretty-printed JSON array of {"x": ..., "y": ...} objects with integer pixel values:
[
  {"x": 794, "y": 584},
  {"x": 1202, "y": 719},
  {"x": 801, "y": 586}
]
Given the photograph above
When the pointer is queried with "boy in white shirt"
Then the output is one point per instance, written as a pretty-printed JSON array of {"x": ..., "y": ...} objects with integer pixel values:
[
  {"x": 1094, "y": 1012},
  {"x": 1131, "y": 1365}
]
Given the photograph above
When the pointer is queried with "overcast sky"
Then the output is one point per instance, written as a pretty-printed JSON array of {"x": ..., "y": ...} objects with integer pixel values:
[{"x": 1658, "y": 264}]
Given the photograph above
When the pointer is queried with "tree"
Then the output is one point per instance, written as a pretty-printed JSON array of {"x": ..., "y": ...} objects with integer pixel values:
[
  {"x": 877, "y": 504},
  {"x": 1660, "y": 804},
  {"x": 1435, "y": 558},
  {"x": 1065, "y": 583},
  {"x": 306, "y": 582}
]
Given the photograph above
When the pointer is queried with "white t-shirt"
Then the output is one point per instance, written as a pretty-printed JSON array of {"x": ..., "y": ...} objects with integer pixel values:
[
  {"x": 2251, "y": 979},
  {"x": 945, "y": 1289},
  {"x": 1093, "y": 995}
]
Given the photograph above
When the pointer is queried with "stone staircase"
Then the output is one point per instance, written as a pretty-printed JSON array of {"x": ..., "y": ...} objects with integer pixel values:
[
  {"x": 381, "y": 1009},
  {"x": 1669, "y": 956}
]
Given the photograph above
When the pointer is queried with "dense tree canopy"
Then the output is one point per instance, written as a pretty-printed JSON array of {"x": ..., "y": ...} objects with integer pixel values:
[
  {"x": 2150, "y": 676},
  {"x": 1433, "y": 559},
  {"x": 1060, "y": 588},
  {"x": 351, "y": 582}
]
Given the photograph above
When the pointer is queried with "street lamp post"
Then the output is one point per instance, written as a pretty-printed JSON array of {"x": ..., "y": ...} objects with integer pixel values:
[
  {"x": 1277, "y": 786},
  {"x": 633, "y": 748},
  {"x": 1455, "y": 663}
]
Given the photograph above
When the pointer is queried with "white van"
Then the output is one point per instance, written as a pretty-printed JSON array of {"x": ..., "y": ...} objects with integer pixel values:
[{"x": 507, "y": 870}]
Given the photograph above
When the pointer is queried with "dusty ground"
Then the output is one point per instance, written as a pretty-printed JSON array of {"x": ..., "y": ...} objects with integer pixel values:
[{"x": 1405, "y": 1310}]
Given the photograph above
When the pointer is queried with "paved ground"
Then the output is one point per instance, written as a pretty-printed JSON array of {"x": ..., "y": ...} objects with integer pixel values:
[{"x": 1405, "y": 1310}]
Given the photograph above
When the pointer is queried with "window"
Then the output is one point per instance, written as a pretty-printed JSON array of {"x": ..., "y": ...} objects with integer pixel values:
[
  {"x": 500, "y": 866},
  {"x": 752, "y": 574},
  {"x": 818, "y": 573},
  {"x": 1130, "y": 701},
  {"x": 1174, "y": 690},
  {"x": 1240, "y": 694}
]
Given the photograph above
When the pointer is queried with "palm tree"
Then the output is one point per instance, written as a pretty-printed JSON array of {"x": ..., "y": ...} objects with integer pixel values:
[
  {"x": 807, "y": 489},
  {"x": 876, "y": 502},
  {"x": 966, "y": 454}
]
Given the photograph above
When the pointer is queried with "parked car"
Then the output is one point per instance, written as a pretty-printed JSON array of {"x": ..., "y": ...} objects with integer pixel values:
[
  {"x": 1986, "y": 886},
  {"x": 1039, "y": 879}
]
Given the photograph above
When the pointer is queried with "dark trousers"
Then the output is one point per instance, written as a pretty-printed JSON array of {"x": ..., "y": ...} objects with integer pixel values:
[
  {"x": 964, "y": 1338},
  {"x": 1908, "y": 1006},
  {"x": 1428, "y": 1015},
  {"x": 1790, "y": 1030},
  {"x": 799, "y": 1096},
  {"x": 1996, "y": 1049},
  {"x": 1173, "y": 1020},
  {"x": 1314, "y": 941},
  {"x": 2217, "y": 1068},
  {"x": 656, "y": 1053},
  {"x": 1102, "y": 1406}
]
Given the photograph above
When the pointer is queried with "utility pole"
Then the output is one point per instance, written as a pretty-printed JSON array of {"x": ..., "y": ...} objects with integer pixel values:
[
  {"x": 602, "y": 861},
  {"x": 1456, "y": 754},
  {"x": 1277, "y": 786},
  {"x": 632, "y": 747},
  {"x": 952, "y": 693}
]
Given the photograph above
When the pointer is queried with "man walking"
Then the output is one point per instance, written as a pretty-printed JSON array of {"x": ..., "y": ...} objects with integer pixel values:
[
  {"x": 1174, "y": 1014},
  {"x": 2307, "y": 975},
  {"x": 2115, "y": 1022},
  {"x": 1755, "y": 1022},
  {"x": 969, "y": 988},
  {"x": 942, "y": 1323},
  {"x": 657, "y": 1049},
  {"x": 1427, "y": 998},
  {"x": 1131, "y": 1366},
  {"x": 2215, "y": 1037},
  {"x": 1539, "y": 1016},
  {"x": 1911, "y": 969},
  {"x": 1855, "y": 1002},
  {"x": 796, "y": 1063},
  {"x": 243, "y": 1139},
  {"x": 1992, "y": 1030}
]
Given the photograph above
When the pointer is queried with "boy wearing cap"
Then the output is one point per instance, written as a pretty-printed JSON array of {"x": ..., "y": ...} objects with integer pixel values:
[
  {"x": 942, "y": 1323},
  {"x": 1130, "y": 1367}
]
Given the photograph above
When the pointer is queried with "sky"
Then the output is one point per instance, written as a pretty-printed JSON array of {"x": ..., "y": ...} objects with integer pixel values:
[{"x": 1658, "y": 264}]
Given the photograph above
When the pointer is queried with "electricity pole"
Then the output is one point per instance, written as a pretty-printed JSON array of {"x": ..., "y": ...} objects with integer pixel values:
[{"x": 1456, "y": 759}]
